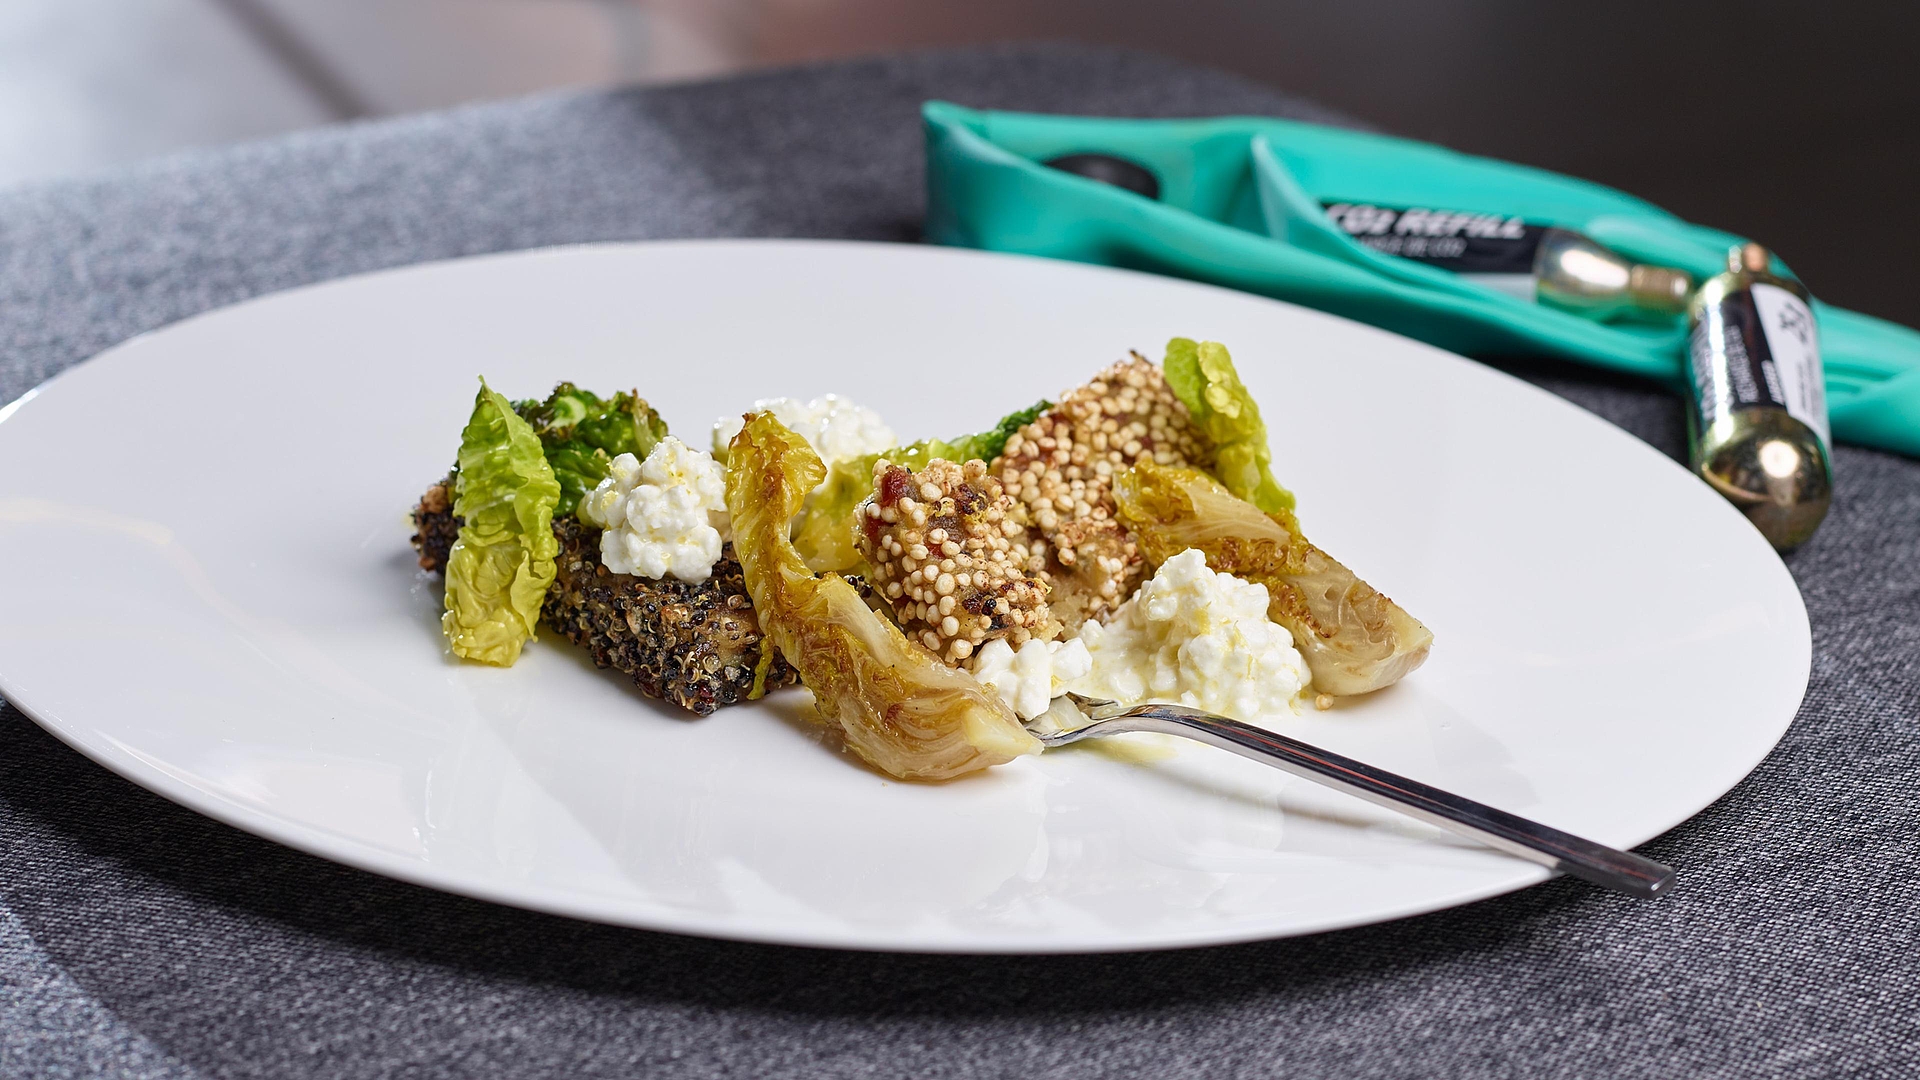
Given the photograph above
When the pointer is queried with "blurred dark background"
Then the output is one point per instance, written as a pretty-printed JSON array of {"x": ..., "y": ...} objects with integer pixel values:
[{"x": 1792, "y": 123}]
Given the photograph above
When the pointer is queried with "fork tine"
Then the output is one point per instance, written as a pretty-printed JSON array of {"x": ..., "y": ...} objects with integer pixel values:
[{"x": 1091, "y": 705}]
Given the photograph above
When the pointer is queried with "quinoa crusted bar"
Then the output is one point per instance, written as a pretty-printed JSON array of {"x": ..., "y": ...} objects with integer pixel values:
[
  {"x": 1060, "y": 469},
  {"x": 950, "y": 556},
  {"x": 435, "y": 526},
  {"x": 697, "y": 645}
]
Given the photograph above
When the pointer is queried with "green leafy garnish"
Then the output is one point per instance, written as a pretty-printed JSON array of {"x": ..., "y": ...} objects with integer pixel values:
[
  {"x": 582, "y": 433},
  {"x": 1202, "y": 377},
  {"x": 502, "y": 561},
  {"x": 988, "y": 444},
  {"x": 823, "y": 531}
]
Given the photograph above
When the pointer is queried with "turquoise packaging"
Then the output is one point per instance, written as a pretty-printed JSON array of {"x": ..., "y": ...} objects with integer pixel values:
[{"x": 1240, "y": 206}]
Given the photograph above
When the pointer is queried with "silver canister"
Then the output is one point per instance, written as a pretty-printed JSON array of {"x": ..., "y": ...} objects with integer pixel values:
[{"x": 1759, "y": 417}]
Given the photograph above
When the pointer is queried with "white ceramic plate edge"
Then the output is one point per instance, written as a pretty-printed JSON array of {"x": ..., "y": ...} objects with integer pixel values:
[{"x": 312, "y": 840}]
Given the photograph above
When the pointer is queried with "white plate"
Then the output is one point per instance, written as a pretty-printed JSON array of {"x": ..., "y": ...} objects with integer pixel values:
[{"x": 209, "y": 590}]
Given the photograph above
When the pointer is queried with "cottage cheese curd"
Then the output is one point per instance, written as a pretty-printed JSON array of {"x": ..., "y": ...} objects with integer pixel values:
[
  {"x": 835, "y": 427},
  {"x": 660, "y": 516},
  {"x": 1029, "y": 678},
  {"x": 1194, "y": 637}
]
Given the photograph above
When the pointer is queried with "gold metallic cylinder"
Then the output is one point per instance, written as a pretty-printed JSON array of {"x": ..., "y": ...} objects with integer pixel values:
[
  {"x": 1759, "y": 416},
  {"x": 1575, "y": 274}
]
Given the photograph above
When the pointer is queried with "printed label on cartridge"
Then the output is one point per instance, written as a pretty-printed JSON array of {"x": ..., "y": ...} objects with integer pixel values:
[
  {"x": 1758, "y": 348},
  {"x": 1794, "y": 341},
  {"x": 1463, "y": 241}
]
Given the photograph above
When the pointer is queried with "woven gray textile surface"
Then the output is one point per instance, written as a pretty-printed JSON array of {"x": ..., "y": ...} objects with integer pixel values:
[{"x": 138, "y": 939}]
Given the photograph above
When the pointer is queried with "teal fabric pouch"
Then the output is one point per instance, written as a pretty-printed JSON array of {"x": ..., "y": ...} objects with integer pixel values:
[{"x": 1241, "y": 204}]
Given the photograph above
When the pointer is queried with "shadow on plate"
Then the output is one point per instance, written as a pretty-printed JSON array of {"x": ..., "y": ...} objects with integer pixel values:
[{"x": 103, "y": 871}]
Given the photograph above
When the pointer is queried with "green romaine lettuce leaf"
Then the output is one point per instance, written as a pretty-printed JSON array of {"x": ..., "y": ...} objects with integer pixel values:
[
  {"x": 502, "y": 561},
  {"x": 582, "y": 433},
  {"x": 1202, "y": 377},
  {"x": 823, "y": 530}
]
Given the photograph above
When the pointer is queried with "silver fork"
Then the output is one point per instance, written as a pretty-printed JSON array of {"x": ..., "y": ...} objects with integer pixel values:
[{"x": 1515, "y": 835}]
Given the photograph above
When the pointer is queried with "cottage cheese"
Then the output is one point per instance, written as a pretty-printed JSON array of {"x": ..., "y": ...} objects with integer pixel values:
[
  {"x": 835, "y": 427},
  {"x": 1193, "y": 637},
  {"x": 1028, "y": 679},
  {"x": 661, "y": 516}
]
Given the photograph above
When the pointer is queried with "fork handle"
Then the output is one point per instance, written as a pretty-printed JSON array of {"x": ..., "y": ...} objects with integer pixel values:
[{"x": 1511, "y": 833}]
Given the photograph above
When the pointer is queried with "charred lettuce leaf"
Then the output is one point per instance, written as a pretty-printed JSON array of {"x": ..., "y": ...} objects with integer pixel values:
[
  {"x": 1352, "y": 636},
  {"x": 900, "y": 709},
  {"x": 581, "y": 433},
  {"x": 1203, "y": 378},
  {"x": 823, "y": 531},
  {"x": 502, "y": 560}
]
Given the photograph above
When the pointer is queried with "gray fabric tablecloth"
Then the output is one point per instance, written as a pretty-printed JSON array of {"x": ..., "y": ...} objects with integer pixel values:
[{"x": 138, "y": 939}]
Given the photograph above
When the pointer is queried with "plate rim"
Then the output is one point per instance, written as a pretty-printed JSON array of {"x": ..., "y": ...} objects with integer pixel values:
[{"x": 650, "y": 915}]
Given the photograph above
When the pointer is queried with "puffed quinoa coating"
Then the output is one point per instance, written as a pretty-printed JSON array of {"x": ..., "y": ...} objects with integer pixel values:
[
  {"x": 949, "y": 553},
  {"x": 1060, "y": 469}
]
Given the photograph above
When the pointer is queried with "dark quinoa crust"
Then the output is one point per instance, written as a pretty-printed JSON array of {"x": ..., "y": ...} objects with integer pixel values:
[
  {"x": 695, "y": 645},
  {"x": 435, "y": 526}
]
